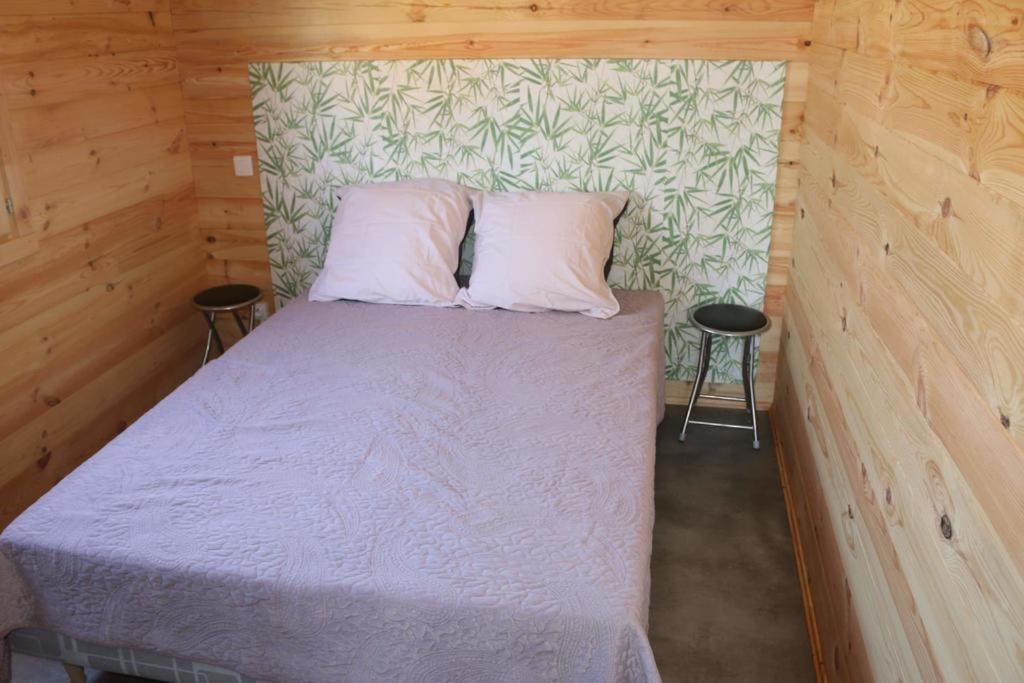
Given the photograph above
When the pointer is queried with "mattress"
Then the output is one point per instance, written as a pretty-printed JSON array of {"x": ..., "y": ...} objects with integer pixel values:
[{"x": 371, "y": 492}]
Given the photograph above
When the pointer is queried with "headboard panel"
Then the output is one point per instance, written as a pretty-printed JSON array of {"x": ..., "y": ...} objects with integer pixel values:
[{"x": 695, "y": 142}]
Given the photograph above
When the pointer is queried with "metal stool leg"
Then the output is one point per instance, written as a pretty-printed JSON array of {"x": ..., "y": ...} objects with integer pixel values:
[
  {"x": 238, "y": 320},
  {"x": 703, "y": 358},
  {"x": 252, "y": 315},
  {"x": 707, "y": 362},
  {"x": 216, "y": 334},
  {"x": 748, "y": 380},
  {"x": 746, "y": 373},
  {"x": 212, "y": 335},
  {"x": 209, "y": 343}
]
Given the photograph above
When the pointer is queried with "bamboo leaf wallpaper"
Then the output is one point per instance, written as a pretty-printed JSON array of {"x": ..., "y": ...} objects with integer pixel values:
[{"x": 695, "y": 142}]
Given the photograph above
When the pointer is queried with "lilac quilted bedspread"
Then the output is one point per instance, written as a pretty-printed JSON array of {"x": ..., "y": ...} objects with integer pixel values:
[{"x": 362, "y": 492}]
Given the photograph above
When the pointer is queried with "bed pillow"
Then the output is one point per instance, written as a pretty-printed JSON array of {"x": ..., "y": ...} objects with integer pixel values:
[
  {"x": 538, "y": 251},
  {"x": 395, "y": 243}
]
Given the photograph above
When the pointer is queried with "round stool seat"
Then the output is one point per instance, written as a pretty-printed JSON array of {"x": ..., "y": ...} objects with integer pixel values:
[
  {"x": 226, "y": 297},
  {"x": 730, "y": 320}
]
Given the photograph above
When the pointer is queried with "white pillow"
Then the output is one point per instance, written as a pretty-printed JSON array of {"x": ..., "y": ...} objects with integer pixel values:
[
  {"x": 395, "y": 243},
  {"x": 538, "y": 251}
]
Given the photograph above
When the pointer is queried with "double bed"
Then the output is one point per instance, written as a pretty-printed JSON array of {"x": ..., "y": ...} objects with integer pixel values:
[{"x": 370, "y": 492}]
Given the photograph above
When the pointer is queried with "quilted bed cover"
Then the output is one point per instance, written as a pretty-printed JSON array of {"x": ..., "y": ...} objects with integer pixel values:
[{"x": 360, "y": 492}]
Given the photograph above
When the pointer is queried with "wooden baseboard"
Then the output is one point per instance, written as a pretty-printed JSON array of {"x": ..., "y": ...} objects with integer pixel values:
[
  {"x": 677, "y": 393},
  {"x": 798, "y": 553}
]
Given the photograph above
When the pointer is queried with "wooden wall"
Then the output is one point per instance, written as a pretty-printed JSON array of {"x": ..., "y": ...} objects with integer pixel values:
[
  {"x": 901, "y": 384},
  {"x": 218, "y": 38},
  {"x": 95, "y": 284}
]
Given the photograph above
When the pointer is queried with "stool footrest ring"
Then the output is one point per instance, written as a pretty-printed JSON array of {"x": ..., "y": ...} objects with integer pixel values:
[
  {"x": 723, "y": 398},
  {"x": 720, "y": 424}
]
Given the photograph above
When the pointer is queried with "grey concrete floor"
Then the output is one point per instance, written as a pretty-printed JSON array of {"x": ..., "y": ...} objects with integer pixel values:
[
  {"x": 725, "y": 601},
  {"x": 725, "y": 598}
]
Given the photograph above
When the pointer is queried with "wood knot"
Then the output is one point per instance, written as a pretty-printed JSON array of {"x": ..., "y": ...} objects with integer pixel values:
[
  {"x": 888, "y": 496},
  {"x": 886, "y": 248},
  {"x": 979, "y": 41},
  {"x": 946, "y": 527},
  {"x": 51, "y": 401},
  {"x": 534, "y": 8},
  {"x": 44, "y": 459},
  {"x": 175, "y": 145},
  {"x": 849, "y": 511},
  {"x": 947, "y": 205},
  {"x": 1004, "y": 420}
]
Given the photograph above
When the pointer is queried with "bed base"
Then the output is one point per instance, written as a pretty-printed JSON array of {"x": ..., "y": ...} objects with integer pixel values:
[{"x": 76, "y": 655}]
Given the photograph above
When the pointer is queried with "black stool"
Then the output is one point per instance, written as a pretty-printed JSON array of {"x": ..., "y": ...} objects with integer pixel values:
[
  {"x": 226, "y": 299},
  {"x": 726, "y": 320}
]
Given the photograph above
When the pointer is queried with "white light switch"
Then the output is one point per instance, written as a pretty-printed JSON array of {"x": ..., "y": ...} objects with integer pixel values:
[{"x": 243, "y": 165}]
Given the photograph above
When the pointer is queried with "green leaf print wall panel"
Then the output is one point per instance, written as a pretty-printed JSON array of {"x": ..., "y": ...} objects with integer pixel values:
[{"x": 695, "y": 143}]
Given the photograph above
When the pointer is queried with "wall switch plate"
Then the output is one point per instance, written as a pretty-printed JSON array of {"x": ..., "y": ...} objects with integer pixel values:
[
  {"x": 243, "y": 165},
  {"x": 261, "y": 311}
]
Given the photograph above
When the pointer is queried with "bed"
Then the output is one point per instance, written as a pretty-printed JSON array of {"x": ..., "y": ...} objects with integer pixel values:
[{"x": 371, "y": 492}]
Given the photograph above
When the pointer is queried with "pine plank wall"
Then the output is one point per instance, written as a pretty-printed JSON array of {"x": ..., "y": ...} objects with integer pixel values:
[
  {"x": 899, "y": 224},
  {"x": 95, "y": 320},
  {"x": 901, "y": 388}
]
